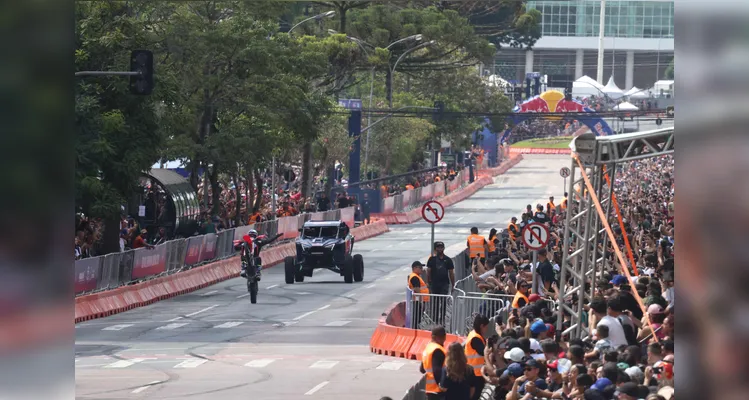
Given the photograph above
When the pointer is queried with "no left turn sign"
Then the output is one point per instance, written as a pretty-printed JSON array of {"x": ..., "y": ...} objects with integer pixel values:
[
  {"x": 564, "y": 172},
  {"x": 535, "y": 236},
  {"x": 432, "y": 211}
]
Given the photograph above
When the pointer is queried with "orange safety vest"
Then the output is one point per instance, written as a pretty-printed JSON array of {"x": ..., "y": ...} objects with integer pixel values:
[
  {"x": 551, "y": 207},
  {"x": 492, "y": 247},
  {"x": 475, "y": 360},
  {"x": 423, "y": 289},
  {"x": 409, "y": 187},
  {"x": 512, "y": 235},
  {"x": 432, "y": 385},
  {"x": 519, "y": 295},
  {"x": 564, "y": 203},
  {"x": 437, "y": 179},
  {"x": 476, "y": 246}
]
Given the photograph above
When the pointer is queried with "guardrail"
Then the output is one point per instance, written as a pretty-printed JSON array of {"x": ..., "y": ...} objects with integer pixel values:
[
  {"x": 413, "y": 198},
  {"x": 117, "y": 269}
]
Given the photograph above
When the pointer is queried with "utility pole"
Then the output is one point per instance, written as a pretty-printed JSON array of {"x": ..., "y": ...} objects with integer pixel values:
[
  {"x": 601, "y": 31},
  {"x": 273, "y": 186}
]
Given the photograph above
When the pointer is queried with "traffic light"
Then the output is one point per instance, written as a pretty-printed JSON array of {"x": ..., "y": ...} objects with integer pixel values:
[
  {"x": 439, "y": 109},
  {"x": 141, "y": 61}
]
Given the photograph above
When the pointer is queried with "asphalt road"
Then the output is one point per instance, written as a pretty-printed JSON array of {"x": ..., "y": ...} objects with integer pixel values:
[{"x": 308, "y": 339}]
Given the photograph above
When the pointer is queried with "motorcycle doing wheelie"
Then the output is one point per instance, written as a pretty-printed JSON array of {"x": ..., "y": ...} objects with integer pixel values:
[{"x": 250, "y": 247}]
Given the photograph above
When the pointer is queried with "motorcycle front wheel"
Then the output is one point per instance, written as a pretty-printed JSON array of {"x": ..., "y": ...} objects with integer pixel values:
[{"x": 252, "y": 287}]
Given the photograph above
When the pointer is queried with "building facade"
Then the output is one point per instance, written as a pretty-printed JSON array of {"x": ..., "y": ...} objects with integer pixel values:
[{"x": 638, "y": 43}]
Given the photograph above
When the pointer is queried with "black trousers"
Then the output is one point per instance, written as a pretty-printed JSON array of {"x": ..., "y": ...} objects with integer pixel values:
[
  {"x": 478, "y": 384},
  {"x": 416, "y": 312},
  {"x": 438, "y": 307},
  {"x": 435, "y": 396}
]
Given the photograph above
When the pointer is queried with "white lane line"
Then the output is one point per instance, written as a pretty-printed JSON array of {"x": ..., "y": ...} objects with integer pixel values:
[
  {"x": 191, "y": 363},
  {"x": 142, "y": 388},
  {"x": 227, "y": 325},
  {"x": 338, "y": 323},
  {"x": 303, "y": 293},
  {"x": 174, "y": 319},
  {"x": 271, "y": 286},
  {"x": 244, "y": 295},
  {"x": 117, "y": 327},
  {"x": 391, "y": 365},
  {"x": 203, "y": 310},
  {"x": 458, "y": 219},
  {"x": 370, "y": 286},
  {"x": 324, "y": 364},
  {"x": 124, "y": 363},
  {"x": 374, "y": 250},
  {"x": 407, "y": 269},
  {"x": 261, "y": 363},
  {"x": 307, "y": 314},
  {"x": 389, "y": 246},
  {"x": 316, "y": 388},
  {"x": 171, "y": 326},
  {"x": 209, "y": 293}
]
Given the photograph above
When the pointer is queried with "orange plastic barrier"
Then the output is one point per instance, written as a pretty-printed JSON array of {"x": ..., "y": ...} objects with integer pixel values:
[{"x": 106, "y": 303}]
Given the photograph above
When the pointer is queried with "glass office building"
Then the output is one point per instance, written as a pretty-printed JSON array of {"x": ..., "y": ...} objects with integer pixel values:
[{"x": 638, "y": 41}]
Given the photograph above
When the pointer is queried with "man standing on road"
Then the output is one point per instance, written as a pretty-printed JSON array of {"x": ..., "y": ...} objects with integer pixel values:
[
  {"x": 417, "y": 285},
  {"x": 432, "y": 362},
  {"x": 441, "y": 277},
  {"x": 365, "y": 210}
]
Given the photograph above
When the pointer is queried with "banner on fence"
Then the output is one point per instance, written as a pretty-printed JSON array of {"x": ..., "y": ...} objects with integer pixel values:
[
  {"x": 194, "y": 247},
  {"x": 86, "y": 274},
  {"x": 149, "y": 262},
  {"x": 408, "y": 196},
  {"x": 426, "y": 192},
  {"x": 388, "y": 205},
  {"x": 347, "y": 216},
  {"x": 209, "y": 247}
]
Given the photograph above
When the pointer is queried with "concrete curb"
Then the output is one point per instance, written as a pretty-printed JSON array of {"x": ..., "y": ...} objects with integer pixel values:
[
  {"x": 390, "y": 338},
  {"x": 106, "y": 303}
]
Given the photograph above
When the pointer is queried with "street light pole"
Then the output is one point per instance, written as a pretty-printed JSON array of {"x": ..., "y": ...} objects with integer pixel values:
[
  {"x": 392, "y": 70},
  {"x": 601, "y": 32},
  {"x": 328, "y": 14}
]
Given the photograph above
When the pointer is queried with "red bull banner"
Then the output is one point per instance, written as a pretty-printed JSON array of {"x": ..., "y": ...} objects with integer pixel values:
[
  {"x": 147, "y": 262},
  {"x": 209, "y": 247},
  {"x": 554, "y": 102},
  {"x": 194, "y": 247},
  {"x": 86, "y": 274}
]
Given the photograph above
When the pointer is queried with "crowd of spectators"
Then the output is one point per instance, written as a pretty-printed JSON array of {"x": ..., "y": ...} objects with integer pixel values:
[{"x": 627, "y": 349}]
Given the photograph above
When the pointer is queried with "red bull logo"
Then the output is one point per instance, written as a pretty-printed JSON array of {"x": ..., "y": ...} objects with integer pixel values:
[{"x": 551, "y": 101}]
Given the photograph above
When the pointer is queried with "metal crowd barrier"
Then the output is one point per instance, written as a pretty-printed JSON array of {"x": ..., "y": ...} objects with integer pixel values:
[
  {"x": 426, "y": 312},
  {"x": 418, "y": 391},
  {"x": 117, "y": 269},
  {"x": 410, "y": 199}
]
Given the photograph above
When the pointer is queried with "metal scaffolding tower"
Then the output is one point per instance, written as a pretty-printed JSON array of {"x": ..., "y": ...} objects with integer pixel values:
[{"x": 584, "y": 233}]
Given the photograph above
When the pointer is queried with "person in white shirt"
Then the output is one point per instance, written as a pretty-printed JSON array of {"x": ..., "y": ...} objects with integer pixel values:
[{"x": 616, "y": 332}]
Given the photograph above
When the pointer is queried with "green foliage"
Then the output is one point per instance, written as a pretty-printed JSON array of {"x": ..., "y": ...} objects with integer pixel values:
[{"x": 669, "y": 74}]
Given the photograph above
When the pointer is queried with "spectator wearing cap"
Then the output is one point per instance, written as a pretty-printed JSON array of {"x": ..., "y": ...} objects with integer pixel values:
[
  {"x": 417, "y": 285},
  {"x": 139, "y": 240},
  {"x": 531, "y": 383},
  {"x": 515, "y": 354},
  {"x": 554, "y": 380},
  {"x": 506, "y": 380},
  {"x": 657, "y": 316},
  {"x": 628, "y": 391}
]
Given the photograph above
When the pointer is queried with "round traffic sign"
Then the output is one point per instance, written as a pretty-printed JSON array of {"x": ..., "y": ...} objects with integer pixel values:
[
  {"x": 565, "y": 172},
  {"x": 535, "y": 236},
  {"x": 432, "y": 211}
]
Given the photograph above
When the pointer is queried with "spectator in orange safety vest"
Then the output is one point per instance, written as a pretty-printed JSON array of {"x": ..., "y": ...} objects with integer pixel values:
[
  {"x": 432, "y": 362},
  {"x": 477, "y": 245},
  {"x": 512, "y": 229},
  {"x": 417, "y": 285},
  {"x": 474, "y": 350},
  {"x": 551, "y": 209}
]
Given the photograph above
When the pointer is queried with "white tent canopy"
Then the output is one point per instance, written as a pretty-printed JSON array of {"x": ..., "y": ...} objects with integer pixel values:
[
  {"x": 636, "y": 93},
  {"x": 626, "y": 106},
  {"x": 611, "y": 90},
  {"x": 586, "y": 86}
]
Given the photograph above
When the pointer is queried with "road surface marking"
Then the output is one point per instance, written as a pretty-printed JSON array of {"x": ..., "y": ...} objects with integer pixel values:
[
  {"x": 459, "y": 219},
  {"x": 191, "y": 363},
  {"x": 174, "y": 319},
  {"x": 316, "y": 388},
  {"x": 307, "y": 314},
  {"x": 229, "y": 324},
  {"x": 303, "y": 293},
  {"x": 117, "y": 327},
  {"x": 405, "y": 269},
  {"x": 203, "y": 310},
  {"x": 171, "y": 326},
  {"x": 370, "y": 286},
  {"x": 337, "y": 323},
  {"x": 124, "y": 363},
  {"x": 142, "y": 388},
  {"x": 391, "y": 365},
  {"x": 389, "y": 246},
  {"x": 244, "y": 295},
  {"x": 323, "y": 364},
  {"x": 261, "y": 363},
  {"x": 271, "y": 286},
  {"x": 209, "y": 293}
]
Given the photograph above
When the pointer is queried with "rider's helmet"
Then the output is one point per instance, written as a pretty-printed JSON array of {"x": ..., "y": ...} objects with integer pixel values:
[{"x": 252, "y": 233}]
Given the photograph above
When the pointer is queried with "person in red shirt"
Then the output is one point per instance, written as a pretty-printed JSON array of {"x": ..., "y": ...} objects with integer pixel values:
[{"x": 139, "y": 242}]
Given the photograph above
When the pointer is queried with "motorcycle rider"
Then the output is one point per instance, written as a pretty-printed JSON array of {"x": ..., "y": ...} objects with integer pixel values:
[{"x": 251, "y": 249}]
